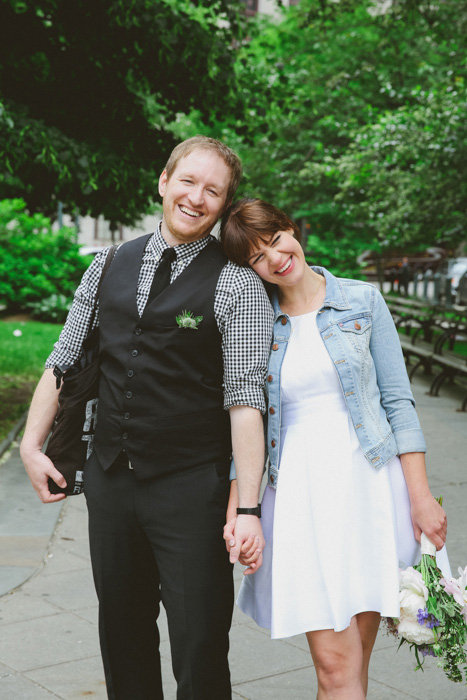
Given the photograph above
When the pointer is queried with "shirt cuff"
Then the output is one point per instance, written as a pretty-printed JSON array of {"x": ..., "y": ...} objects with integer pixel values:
[{"x": 253, "y": 397}]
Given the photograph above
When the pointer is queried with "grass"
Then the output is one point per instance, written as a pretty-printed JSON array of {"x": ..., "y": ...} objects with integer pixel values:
[{"x": 25, "y": 345}]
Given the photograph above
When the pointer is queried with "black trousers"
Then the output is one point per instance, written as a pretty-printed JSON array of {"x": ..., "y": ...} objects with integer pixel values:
[{"x": 161, "y": 540}]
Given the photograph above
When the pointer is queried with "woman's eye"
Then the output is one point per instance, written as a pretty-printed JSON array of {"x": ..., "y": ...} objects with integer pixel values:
[
  {"x": 275, "y": 240},
  {"x": 257, "y": 259}
]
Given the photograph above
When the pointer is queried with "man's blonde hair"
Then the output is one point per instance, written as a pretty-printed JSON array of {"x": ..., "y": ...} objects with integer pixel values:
[{"x": 206, "y": 143}]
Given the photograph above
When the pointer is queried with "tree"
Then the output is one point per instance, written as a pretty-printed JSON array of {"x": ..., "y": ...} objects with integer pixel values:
[
  {"x": 322, "y": 86},
  {"x": 89, "y": 90}
]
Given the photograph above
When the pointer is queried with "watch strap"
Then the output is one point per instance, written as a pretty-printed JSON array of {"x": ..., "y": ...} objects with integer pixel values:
[{"x": 250, "y": 511}]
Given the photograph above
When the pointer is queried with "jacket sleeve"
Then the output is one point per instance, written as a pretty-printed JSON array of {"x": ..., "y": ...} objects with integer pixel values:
[{"x": 393, "y": 382}]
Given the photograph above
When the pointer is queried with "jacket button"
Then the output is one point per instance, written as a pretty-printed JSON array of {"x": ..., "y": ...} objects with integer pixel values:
[
  {"x": 284, "y": 321},
  {"x": 134, "y": 353},
  {"x": 129, "y": 394},
  {"x": 275, "y": 346},
  {"x": 271, "y": 411},
  {"x": 138, "y": 331},
  {"x": 125, "y": 436},
  {"x": 273, "y": 443},
  {"x": 130, "y": 373},
  {"x": 269, "y": 377},
  {"x": 126, "y": 416}
]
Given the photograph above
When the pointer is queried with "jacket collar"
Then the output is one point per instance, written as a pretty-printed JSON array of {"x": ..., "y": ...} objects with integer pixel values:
[{"x": 335, "y": 295}]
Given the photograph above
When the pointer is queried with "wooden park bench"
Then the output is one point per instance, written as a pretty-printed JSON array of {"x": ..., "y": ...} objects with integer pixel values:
[{"x": 432, "y": 344}]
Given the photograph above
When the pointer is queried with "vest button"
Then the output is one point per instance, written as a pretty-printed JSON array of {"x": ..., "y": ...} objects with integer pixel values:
[
  {"x": 126, "y": 416},
  {"x": 284, "y": 321},
  {"x": 125, "y": 436},
  {"x": 273, "y": 443},
  {"x": 129, "y": 394},
  {"x": 134, "y": 353},
  {"x": 269, "y": 377},
  {"x": 138, "y": 331},
  {"x": 275, "y": 346},
  {"x": 271, "y": 411},
  {"x": 130, "y": 373}
]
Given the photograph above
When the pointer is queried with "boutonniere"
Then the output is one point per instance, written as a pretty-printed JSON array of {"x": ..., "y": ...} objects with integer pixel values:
[{"x": 187, "y": 320}]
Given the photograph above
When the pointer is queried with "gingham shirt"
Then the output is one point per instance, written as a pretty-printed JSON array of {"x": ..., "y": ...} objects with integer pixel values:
[{"x": 242, "y": 310}]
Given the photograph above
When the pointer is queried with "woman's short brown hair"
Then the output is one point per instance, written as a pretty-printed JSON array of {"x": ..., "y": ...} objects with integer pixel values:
[{"x": 249, "y": 221}]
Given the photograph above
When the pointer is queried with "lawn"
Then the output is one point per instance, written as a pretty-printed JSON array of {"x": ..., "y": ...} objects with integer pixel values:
[{"x": 25, "y": 345}]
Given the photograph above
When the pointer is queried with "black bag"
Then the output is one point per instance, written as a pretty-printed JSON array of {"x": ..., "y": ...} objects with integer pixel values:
[{"x": 71, "y": 440}]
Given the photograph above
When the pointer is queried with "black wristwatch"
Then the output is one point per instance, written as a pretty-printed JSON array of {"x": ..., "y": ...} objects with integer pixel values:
[{"x": 250, "y": 511}]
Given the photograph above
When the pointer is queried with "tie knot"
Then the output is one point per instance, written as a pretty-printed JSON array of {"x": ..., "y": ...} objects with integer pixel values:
[{"x": 169, "y": 254}]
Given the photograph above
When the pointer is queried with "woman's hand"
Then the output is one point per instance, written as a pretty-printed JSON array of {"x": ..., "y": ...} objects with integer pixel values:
[{"x": 429, "y": 517}]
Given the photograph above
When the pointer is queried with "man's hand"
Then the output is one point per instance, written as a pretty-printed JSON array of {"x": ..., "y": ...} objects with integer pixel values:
[
  {"x": 40, "y": 420},
  {"x": 39, "y": 468},
  {"x": 248, "y": 542}
]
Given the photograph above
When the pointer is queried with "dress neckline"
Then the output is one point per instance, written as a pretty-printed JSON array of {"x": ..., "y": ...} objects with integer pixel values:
[{"x": 308, "y": 313}]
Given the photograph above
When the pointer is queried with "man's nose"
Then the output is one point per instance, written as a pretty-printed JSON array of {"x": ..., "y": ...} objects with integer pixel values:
[{"x": 196, "y": 195}]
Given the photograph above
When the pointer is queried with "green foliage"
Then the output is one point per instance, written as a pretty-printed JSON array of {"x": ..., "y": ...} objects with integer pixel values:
[
  {"x": 54, "y": 308},
  {"x": 89, "y": 89},
  {"x": 405, "y": 175},
  {"x": 35, "y": 262},
  {"x": 356, "y": 123}
]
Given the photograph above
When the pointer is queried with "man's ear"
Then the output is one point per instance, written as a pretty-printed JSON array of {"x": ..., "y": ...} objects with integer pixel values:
[{"x": 163, "y": 183}]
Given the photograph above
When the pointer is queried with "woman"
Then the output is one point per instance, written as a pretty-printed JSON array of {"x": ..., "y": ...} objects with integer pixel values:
[{"x": 347, "y": 495}]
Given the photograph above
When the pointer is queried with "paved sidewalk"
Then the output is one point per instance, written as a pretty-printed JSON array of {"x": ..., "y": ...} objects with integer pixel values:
[{"x": 48, "y": 624}]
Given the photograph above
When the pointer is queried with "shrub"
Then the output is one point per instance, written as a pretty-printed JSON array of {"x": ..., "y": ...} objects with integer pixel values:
[
  {"x": 53, "y": 309},
  {"x": 35, "y": 262}
]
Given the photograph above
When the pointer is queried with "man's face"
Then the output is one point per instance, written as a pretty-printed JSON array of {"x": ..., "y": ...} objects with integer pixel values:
[{"x": 194, "y": 197}]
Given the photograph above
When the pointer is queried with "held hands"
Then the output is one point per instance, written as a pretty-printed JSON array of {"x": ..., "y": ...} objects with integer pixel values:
[
  {"x": 245, "y": 542},
  {"x": 429, "y": 517}
]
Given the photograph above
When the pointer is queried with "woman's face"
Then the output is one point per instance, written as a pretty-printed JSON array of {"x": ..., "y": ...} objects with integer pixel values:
[{"x": 281, "y": 260}]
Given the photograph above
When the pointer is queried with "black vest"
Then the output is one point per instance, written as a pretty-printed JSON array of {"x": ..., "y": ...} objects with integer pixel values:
[{"x": 160, "y": 395}]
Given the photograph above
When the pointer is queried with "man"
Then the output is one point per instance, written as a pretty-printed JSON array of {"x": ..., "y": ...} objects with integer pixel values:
[{"x": 157, "y": 481}]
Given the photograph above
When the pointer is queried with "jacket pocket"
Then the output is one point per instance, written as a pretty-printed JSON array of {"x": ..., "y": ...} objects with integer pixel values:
[{"x": 357, "y": 324}]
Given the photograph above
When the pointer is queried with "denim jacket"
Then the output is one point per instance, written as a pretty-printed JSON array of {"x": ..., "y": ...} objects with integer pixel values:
[{"x": 359, "y": 334}]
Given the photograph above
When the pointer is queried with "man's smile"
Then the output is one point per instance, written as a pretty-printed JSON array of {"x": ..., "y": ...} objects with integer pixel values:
[{"x": 189, "y": 212}]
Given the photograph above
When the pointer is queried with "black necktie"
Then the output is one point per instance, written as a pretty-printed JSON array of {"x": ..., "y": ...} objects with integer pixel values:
[{"x": 162, "y": 274}]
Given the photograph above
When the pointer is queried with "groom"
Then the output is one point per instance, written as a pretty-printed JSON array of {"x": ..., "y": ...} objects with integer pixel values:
[{"x": 184, "y": 340}]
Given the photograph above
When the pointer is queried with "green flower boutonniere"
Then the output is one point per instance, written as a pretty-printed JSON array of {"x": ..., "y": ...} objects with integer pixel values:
[{"x": 187, "y": 320}]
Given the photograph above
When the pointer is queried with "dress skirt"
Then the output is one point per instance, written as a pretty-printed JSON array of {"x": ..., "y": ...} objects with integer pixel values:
[{"x": 336, "y": 528}]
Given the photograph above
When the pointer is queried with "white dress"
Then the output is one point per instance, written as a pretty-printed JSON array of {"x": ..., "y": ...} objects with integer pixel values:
[{"x": 336, "y": 529}]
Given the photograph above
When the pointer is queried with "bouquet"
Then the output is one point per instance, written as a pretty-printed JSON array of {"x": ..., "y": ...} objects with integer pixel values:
[{"x": 433, "y": 617}]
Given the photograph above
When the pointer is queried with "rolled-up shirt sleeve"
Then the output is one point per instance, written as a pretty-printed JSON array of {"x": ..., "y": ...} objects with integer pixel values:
[
  {"x": 245, "y": 320},
  {"x": 78, "y": 323}
]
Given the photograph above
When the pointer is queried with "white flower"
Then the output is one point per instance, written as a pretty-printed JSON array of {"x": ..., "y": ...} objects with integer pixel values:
[
  {"x": 413, "y": 592},
  {"x": 409, "y": 628},
  {"x": 17, "y": 332}
]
